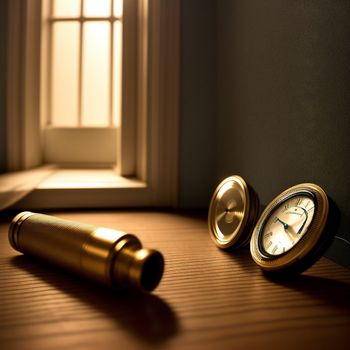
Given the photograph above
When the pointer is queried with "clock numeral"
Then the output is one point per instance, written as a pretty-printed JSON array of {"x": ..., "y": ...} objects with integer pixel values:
[
  {"x": 274, "y": 249},
  {"x": 312, "y": 208},
  {"x": 268, "y": 234},
  {"x": 286, "y": 206},
  {"x": 299, "y": 201},
  {"x": 269, "y": 244}
]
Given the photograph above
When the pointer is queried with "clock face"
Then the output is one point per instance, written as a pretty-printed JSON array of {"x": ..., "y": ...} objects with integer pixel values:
[
  {"x": 294, "y": 230},
  {"x": 287, "y": 224}
]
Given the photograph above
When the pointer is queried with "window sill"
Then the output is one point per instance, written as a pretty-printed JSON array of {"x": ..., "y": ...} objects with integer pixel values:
[
  {"x": 50, "y": 187},
  {"x": 88, "y": 178}
]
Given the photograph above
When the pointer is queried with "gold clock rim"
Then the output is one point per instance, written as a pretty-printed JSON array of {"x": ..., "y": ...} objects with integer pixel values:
[
  {"x": 250, "y": 203},
  {"x": 306, "y": 243}
]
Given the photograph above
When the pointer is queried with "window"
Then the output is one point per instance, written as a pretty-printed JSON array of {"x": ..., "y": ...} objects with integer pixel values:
[
  {"x": 85, "y": 68},
  {"x": 138, "y": 124},
  {"x": 83, "y": 53}
]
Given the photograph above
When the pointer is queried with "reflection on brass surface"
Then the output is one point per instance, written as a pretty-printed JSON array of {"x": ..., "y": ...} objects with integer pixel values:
[
  {"x": 233, "y": 212},
  {"x": 107, "y": 256}
]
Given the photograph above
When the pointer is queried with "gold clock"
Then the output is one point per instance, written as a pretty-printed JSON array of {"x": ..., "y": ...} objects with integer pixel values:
[
  {"x": 233, "y": 212},
  {"x": 293, "y": 231}
]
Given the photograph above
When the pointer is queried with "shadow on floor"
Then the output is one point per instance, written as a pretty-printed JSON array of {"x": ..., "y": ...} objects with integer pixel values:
[{"x": 146, "y": 316}]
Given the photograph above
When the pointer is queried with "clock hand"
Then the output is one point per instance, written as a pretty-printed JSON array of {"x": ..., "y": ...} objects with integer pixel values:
[
  {"x": 303, "y": 224},
  {"x": 285, "y": 225},
  {"x": 287, "y": 228}
]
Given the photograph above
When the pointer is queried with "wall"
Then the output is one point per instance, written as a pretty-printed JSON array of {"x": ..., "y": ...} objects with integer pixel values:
[
  {"x": 197, "y": 139},
  {"x": 3, "y": 21},
  {"x": 280, "y": 109}
]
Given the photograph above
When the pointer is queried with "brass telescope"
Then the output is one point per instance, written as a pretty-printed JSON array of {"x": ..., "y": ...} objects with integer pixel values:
[{"x": 111, "y": 257}]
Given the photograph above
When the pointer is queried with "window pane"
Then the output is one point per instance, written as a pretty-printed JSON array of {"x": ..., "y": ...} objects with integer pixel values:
[
  {"x": 117, "y": 56},
  {"x": 96, "y": 74},
  {"x": 65, "y": 57},
  {"x": 118, "y": 8},
  {"x": 97, "y": 8},
  {"x": 66, "y": 8}
]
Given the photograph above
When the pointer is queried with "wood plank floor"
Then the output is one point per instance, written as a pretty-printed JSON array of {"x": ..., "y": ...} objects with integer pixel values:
[{"x": 208, "y": 299}]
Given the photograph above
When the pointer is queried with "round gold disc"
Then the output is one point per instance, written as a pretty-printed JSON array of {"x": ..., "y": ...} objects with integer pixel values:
[{"x": 233, "y": 212}]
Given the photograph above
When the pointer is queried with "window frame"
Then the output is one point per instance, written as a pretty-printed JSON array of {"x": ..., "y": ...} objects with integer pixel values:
[{"x": 155, "y": 154}]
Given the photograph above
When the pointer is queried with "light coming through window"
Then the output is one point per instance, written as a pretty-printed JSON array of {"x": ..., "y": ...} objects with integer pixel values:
[{"x": 84, "y": 68}]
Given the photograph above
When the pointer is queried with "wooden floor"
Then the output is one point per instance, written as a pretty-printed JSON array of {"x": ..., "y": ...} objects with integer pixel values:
[{"x": 208, "y": 299}]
